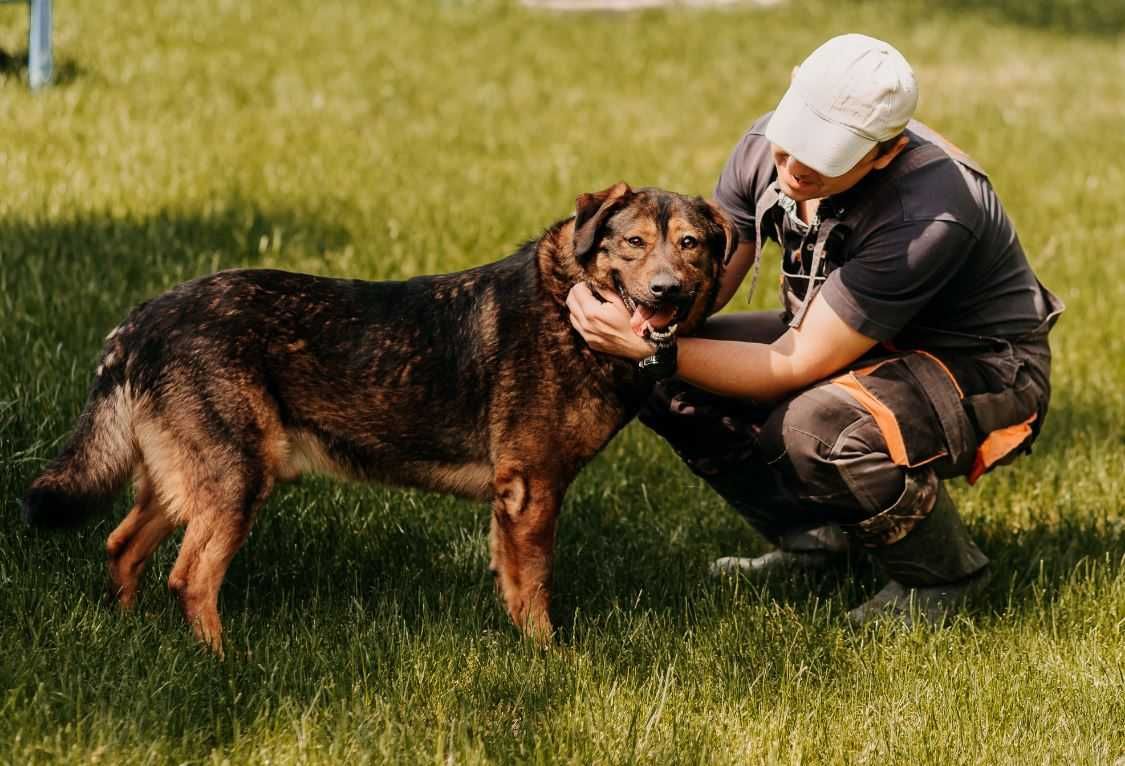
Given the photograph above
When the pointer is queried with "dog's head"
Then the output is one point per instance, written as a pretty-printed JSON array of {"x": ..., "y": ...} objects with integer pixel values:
[{"x": 661, "y": 252}]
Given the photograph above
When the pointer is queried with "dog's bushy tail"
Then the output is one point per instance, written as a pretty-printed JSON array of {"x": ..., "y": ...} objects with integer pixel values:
[{"x": 92, "y": 467}]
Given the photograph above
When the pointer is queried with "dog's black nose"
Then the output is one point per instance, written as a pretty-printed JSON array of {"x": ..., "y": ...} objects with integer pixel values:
[{"x": 664, "y": 286}]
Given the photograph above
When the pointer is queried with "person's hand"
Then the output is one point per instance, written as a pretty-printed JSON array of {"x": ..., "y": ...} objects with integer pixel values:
[{"x": 604, "y": 323}]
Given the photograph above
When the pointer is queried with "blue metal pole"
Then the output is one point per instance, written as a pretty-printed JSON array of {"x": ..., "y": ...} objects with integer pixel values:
[{"x": 40, "y": 60}]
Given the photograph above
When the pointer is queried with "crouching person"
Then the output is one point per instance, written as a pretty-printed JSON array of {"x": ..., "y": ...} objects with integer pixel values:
[{"x": 910, "y": 347}]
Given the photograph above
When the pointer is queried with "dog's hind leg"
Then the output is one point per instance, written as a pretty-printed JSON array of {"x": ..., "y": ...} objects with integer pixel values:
[
  {"x": 217, "y": 528},
  {"x": 135, "y": 539},
  {"x": 524, "y": 515},
  {"x": 212, "y": 455}
]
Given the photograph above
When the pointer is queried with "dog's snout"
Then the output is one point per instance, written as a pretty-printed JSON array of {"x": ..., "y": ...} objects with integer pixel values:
[{"x": 665, "y": 286}]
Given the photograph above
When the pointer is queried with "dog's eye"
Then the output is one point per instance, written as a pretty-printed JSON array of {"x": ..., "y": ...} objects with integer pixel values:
[
  {"x": 635, "y": 241},
  {"x": 688, "y": 242}
]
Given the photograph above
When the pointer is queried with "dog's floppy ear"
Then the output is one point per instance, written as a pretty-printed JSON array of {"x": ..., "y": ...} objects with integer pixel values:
[
  {"x": 725, "y": 240},
  {"x": 591, "y": 211}
]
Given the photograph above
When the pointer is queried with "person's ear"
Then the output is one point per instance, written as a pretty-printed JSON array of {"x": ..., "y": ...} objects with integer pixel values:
[{"x": 887, "y": 157}]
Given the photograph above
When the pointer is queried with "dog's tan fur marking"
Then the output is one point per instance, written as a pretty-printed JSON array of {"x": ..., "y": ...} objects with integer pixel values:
[
  {"x": 522, "y": 542},
  {"x": 108, "y": 451},
  {"x": 303, "y": 453},
  {"x": 113, "y": 435},
  {"x": 489, "y": 334},
  {"x": 468, "y": 480},
  {"x": 210, "y": 542},
  {"x": 134, "y": 540},
  {"x": 171, "y": 468}
]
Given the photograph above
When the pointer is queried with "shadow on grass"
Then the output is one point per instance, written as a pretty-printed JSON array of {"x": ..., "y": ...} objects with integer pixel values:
[
  {"x": 424, "y": 555},
  {"x": 14, "y": 66},
  {"x": 321, "y": 547},
  {"x": 65, "y": 283},
  {"x": 423, "y": 567},
  {"x": 132, "y": 252}
]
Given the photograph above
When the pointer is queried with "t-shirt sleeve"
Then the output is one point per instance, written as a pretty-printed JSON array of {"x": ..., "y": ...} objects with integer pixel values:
[
  {"x": 895, "y": 273},
  {"x": 743, "y": 178}
]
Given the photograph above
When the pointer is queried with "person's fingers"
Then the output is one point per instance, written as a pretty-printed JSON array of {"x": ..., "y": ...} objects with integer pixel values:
[
  {"x": 578, "y": 301},
  {"x": 592, "y": 302},
  {"x": 611, "y": 313},
  {"x": 584, "y": 303},
  {"x": 577, "y": 319},
  {"x": 613, "y": 299},
  {"x": 590, "y": 313},
  {"x": 574, "y": 303},
  {"x": 580, "y": 291}
]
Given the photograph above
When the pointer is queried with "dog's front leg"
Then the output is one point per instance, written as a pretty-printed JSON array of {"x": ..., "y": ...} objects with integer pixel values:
[{"x": 524, "y": 513}]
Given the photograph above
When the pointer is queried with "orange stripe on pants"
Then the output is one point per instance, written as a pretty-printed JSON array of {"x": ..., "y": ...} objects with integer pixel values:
[{"x": 882, "y": 415}]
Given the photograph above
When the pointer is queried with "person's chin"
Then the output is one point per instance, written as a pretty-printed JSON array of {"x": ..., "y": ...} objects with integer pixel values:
[{"x": 801, "y": 193}]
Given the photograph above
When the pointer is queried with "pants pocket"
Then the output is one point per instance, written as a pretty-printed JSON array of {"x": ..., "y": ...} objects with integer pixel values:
[
  {"x": 1008, "y": 422},
  {"x": 916, "y": 403}
]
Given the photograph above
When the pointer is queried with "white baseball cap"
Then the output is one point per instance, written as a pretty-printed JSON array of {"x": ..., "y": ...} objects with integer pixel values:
[{"x": 848, "y": 95}]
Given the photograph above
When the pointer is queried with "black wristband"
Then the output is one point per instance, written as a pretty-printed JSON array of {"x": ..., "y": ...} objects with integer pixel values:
[{"x": 660, "y": 364}]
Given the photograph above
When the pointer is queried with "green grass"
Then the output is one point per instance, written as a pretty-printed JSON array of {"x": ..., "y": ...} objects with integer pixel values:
[{"x": 400, "y": 137}]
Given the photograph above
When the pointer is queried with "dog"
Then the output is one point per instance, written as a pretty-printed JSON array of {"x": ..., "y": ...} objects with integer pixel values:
[{"x": 472, "y": 383}]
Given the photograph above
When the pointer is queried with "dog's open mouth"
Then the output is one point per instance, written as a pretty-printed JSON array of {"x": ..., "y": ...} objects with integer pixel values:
[{"x": 656, "y": 322}]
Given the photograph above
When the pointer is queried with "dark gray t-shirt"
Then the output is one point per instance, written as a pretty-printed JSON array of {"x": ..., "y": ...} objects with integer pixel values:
[{"x": 932, "y": 259}]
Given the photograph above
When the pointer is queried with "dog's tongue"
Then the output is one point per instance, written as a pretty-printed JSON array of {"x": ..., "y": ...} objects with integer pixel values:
[{"x": 656, "y": 319}]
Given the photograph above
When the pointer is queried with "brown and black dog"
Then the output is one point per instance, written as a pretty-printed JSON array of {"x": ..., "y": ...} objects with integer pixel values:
[{"x": 471, "y": 383}]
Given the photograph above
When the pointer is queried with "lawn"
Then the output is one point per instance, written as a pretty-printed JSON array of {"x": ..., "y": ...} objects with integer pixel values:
[{"x": 398, "y": 137}]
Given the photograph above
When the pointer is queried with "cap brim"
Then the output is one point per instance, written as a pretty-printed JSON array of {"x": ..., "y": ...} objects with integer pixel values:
[{"x": 829, "y": 149}]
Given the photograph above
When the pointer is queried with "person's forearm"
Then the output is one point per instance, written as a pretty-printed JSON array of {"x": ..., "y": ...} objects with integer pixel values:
[
  {"x": 821, "y": 346},
  {"x": 745, "y": 370}
]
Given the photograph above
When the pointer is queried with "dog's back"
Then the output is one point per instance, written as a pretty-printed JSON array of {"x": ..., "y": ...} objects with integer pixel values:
[{"x": 391, "y": 381}]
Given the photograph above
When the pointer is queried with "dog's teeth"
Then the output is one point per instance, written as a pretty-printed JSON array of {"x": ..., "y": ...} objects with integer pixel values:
[{"x": 661, "y": 336}]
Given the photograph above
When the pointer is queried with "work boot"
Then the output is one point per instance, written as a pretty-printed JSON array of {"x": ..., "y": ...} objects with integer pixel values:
[
  {"x": 932, "y": 604},
  {"x": 807, "y": 549},
  {"x": 933, "y": 568}
]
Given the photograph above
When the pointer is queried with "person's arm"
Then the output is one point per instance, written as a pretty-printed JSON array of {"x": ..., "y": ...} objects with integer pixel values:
[
  {"x": 822, "y": 345},
  {"x": 734, "y": 273},
  {"x": 748, "y": 171}
]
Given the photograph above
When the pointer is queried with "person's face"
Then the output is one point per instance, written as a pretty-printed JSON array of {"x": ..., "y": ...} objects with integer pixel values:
[{"x": 802, "y": 183}]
